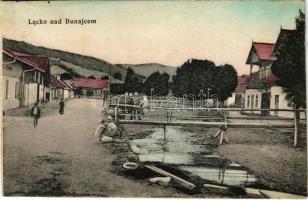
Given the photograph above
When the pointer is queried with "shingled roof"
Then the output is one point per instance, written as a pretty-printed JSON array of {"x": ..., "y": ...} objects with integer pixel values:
[
  {"x": 262, "y": 52},
  {"x": 57, "y": 83},
  {"x": 90, "y": 83},
  {"x": 37, "y": 62},
  {"x": 242, "y": 82}
]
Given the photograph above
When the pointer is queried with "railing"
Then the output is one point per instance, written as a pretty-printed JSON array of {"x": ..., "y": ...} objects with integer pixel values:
[{"x": 169, "y": 117}]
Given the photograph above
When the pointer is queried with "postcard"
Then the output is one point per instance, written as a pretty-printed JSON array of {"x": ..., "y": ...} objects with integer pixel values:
[{"x": 170, "y": 99}]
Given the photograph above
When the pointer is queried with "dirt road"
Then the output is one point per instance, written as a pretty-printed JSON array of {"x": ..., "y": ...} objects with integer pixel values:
[{"x": 60, "y": 158}]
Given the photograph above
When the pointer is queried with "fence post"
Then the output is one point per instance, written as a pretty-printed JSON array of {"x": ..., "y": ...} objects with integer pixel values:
[
  {"x": 296, "y": 127},
  {"x": 165, "y": 139},
  {"x": 116, "y": 115}
]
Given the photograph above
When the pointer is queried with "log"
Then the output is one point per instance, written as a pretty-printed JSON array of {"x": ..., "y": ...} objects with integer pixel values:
[{"x": 176, "y": 178}]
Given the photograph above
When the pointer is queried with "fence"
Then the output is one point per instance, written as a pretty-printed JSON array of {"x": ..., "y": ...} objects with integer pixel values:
[{"x": 211, "y": 117}]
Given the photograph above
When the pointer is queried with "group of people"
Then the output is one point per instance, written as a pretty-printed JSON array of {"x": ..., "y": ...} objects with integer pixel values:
[
  {"x": 36, "y": 112},
  {"x": 137, "y": 104}
]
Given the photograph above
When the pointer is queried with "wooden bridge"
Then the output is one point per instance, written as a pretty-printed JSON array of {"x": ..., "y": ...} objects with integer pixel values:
[{"x": 168, "y": 118}]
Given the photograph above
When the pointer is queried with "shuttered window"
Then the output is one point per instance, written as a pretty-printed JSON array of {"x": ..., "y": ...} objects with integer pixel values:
[{"x": 7, "y": 89}]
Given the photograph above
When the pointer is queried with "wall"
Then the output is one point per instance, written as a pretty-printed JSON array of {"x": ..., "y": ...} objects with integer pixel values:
[
  {"x": 283, "y": 103},
  {"x": 30, "y": 94},
  {"x": 10, "y": 100},
  {"x": 66, "y": 94},
  {"x": 231, "y": 100},
  {"x": 256, "y": 105}
]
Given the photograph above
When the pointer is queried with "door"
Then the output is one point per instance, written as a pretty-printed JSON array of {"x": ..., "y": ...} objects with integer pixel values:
[
  {"x": 238, "y": 100},
  {"x": 265, "y": 103}
]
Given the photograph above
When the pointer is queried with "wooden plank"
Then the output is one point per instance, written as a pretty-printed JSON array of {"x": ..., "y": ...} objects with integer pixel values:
[
  {"x": 280, "y": 195},
  {"x": 253, "y": 192},
  {"x": 215, "y": 186},
  {"x": 176, "y": 178},
  {"x": 207, "y": 124}
]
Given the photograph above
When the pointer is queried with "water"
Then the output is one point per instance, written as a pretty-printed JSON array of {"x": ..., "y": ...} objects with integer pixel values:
[{"x": 191, "y": 153}]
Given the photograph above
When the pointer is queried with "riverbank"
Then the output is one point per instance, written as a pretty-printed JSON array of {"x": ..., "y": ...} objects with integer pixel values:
[
  {"x": 271, "y": 157},
  {"x": 267, "y": 153}
]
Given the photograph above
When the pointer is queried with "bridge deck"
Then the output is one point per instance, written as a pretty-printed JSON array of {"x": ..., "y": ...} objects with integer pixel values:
[{"x": 208, "y": 124}]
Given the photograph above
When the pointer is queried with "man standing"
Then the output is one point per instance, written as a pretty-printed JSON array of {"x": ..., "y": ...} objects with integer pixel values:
[
  {"x": 35, "y": 113},
  {"x": 61, "y": 110}
]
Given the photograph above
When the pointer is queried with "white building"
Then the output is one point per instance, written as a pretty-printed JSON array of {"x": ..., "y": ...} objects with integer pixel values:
[
  {"x": 261, "y": 91},
  {"x": 23, "y": 79}
]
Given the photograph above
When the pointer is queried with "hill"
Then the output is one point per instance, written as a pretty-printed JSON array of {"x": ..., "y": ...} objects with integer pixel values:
[
  {"x": 86, "y": 64},
  {"x": 148, "y": 68},
  {"x": 60, "y": 66}
]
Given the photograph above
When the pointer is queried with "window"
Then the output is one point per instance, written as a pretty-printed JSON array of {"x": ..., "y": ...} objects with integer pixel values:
[
  {"x": 35, "y": 75},
  {"x": 38, "y": 77},
  {"x": 252, "y": 101},
  {"x": 289, "y": 102},
  {"x": 257, "y": 101},
  {"x": 7, "y": 89},
  {"x": 276, "y": 103},
  {"x": 98, "y": 92},
  {"x": 248, "y": 101}
]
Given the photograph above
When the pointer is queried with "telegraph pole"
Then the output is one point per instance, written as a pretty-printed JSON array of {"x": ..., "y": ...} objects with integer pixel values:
[{"x": 109, "y": 85}]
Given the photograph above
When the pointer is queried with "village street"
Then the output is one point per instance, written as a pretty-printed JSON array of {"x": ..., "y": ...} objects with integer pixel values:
[{"x": 60, "y": 157}]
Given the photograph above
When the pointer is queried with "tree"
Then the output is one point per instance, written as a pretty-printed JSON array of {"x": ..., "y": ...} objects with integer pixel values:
[
  {"x": 132, "y": 83},
  {"x": 193, "y": 76},
  {"x": 196, "y": 75},
  {"x": 105, "y": 77},
  {"x": 117, "y": 75},
  {"x": 159, "y": 82},
  {"x": 117, "y": 88},
  {"x": 289, "y": 66},
  {"x": 225, "y": 81},
  {"x": 66, "y": 76},
  {"x": 91, "y": 77}
]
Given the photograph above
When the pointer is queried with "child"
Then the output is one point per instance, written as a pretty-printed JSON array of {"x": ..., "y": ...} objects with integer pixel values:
[{"x": 35, "y": 113}]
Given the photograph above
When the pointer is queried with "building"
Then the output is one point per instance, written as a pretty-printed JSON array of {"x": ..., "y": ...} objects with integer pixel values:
[
  {"x": 90, "y": 87},
  {"x": 24, "y": 79},
  {"x": 237, "y": 99},
  {"x": 59, "y": 89},
  {"x": 262, "y": 91}
]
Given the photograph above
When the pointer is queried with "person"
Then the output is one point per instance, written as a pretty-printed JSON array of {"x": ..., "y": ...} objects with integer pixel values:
[
  {"x": 35, "y": 113},
  {"x": 101, "y": 128},
  {"x": 61, "y": 110},
  {"x": 131, "y": 109}
]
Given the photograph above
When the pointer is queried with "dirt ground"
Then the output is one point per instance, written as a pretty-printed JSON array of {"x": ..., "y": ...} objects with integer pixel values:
[
  {"x": 271, "y": 156},
  {"x": 61, "y": 158}
]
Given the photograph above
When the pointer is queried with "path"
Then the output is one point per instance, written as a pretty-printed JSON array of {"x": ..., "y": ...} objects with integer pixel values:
[{"x": 60, "y": 157}]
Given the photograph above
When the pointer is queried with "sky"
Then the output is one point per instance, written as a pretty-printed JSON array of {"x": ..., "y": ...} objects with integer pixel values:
[{"x": 165, "y": 32}]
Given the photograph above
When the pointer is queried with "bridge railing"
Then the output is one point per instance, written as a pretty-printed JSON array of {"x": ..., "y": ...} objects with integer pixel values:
[{"x": 212, "y": 117}]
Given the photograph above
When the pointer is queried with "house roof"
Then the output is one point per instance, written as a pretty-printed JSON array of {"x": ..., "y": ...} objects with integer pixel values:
[
  {"x": 57, "y": 83},
  {"x": 37, "y": 62},
  {"x": 260, "y": 52},
  {"x": 68, "y": 84},
  {"x": 264, "y": 50},
  {"x": 283, "y": 35},
  {"x": 90, "y": 83},
  {"x": 270, "y": 79},
  {"x": 242, "y": 82}
]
